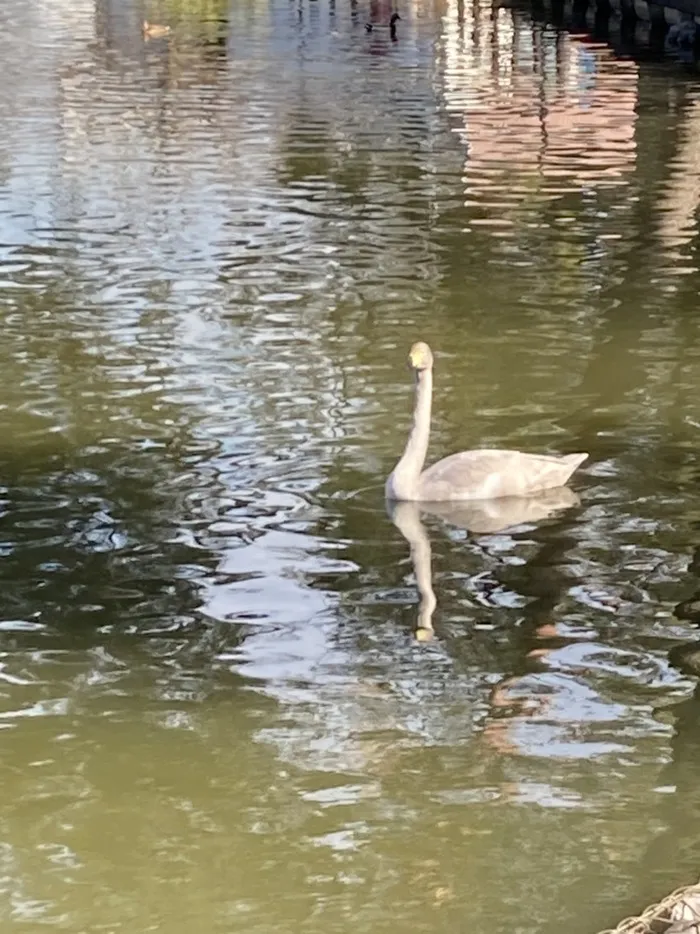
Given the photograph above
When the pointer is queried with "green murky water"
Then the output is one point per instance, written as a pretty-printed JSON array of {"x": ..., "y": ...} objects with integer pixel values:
[{"x": 215, "y": 251}]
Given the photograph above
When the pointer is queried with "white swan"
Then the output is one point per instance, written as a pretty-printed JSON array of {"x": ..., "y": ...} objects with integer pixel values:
[{"x": 480, "y": 474}]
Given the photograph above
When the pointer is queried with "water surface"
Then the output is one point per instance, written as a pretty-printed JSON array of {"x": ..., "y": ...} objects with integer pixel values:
[{"x": 215, "y": 251}]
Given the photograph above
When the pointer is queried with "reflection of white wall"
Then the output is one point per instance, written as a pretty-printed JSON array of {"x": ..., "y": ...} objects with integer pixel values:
[{"x": 37, "y": 40}]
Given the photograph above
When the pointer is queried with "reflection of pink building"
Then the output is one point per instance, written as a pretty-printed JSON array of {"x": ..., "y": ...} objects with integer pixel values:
[{"x": 553, "y": 114}]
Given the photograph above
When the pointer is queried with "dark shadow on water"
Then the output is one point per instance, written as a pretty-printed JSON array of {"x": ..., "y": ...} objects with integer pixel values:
[
  {"x": 671, "y": 857},
  {"x": 90, "y": 540},
  {"x": 621, "y": 33}
]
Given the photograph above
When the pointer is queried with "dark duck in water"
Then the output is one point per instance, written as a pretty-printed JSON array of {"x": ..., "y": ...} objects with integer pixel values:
[{"x": 370, "y": 27}]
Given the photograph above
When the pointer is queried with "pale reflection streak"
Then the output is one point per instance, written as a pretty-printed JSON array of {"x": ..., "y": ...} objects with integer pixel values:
[
  {"x": 540, "y": 115},
  {"x": 680, "y": 198}
]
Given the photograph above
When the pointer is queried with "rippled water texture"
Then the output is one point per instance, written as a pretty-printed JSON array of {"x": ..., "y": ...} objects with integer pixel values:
[{"x": 215, "y": 250}]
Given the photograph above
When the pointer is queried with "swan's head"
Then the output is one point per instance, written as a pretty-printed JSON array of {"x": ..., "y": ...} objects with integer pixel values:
[{"x": 421, "y": 357}]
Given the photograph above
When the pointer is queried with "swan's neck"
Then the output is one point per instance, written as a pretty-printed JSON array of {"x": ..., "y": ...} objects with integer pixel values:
[{"x": 407, "y": 472}]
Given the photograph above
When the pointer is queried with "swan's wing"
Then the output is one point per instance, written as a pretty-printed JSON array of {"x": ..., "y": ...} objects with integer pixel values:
[{"x": 488, "y": 473}]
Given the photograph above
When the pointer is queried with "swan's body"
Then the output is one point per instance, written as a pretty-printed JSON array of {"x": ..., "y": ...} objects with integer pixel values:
[{"x": 480, "y": 474}]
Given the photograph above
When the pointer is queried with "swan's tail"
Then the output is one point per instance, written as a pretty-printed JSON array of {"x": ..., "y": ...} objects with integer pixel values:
[{"x": 573, "y": 459}]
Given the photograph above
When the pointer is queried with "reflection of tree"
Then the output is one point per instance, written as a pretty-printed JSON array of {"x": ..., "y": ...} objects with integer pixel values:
[
  {"x": 672, "y": 856},
  {"x": 299, "y": 164},
  {"x": 91, "y": 538},
  {"x": 355, "y": 138},
  {"x": 89, "y": 463}
]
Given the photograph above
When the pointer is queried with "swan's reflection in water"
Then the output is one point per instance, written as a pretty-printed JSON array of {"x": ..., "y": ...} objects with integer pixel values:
[
  {"x": 480, "y": 517},
  {"x": 406, "y": 518}
]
